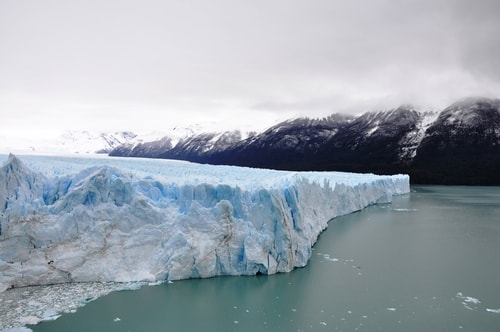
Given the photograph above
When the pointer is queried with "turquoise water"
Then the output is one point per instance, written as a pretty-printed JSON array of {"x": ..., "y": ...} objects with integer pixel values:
[{"x": 428, "y": 262}]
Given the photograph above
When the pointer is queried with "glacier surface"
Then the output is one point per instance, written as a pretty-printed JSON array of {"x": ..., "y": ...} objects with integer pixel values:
[{"x": 72, "y": 219}]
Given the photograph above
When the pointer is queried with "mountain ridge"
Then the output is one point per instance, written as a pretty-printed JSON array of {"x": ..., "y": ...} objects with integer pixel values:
[{"x": 457, "y": 145}]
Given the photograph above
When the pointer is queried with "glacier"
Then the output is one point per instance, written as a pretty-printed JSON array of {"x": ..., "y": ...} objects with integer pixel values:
[{"x": 74, "y": 219}]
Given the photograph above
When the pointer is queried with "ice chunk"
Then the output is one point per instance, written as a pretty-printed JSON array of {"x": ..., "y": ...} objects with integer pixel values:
[
  {"x": 468, "y": 302},
  {"x": 30, "y": 305},
  {"x": 106, "y": 219}
]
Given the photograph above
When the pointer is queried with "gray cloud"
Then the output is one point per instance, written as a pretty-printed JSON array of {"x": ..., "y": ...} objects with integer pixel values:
[{"x": 287, "y": 57}]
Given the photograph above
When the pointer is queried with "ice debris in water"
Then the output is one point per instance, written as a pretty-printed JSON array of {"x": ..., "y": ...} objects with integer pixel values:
[
  {"x": 495, "y": 311},
  {"x": 468, "y": 302},
  {"x": 30, "y": 305},
  {"x": 328, "y": 257}
]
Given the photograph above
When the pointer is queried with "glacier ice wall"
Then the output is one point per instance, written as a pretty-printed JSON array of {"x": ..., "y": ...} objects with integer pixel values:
[{"x": 101, "y": 219}]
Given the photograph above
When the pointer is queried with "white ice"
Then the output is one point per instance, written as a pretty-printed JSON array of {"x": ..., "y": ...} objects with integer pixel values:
[
  {"x": 30, "y": 305},
  {"x": 468, "y": 302},
  {"x": 70, "y": 219}
]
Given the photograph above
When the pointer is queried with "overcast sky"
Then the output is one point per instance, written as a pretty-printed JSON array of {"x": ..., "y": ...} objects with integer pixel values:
[{"x": 147, "y": 64}]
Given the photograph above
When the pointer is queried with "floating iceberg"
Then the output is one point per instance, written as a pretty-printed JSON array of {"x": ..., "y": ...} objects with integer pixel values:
[{"x": 69, "y": 219}]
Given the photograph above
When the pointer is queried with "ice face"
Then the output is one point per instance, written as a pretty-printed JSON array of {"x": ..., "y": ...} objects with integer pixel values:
[{"x": 106, "y": 219}]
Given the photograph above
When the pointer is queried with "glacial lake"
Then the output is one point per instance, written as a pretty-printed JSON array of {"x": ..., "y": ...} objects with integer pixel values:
[{"x": 430, "y": 261}]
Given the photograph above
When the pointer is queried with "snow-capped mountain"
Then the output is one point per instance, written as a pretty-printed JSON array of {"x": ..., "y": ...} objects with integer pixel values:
[
  {"x": 299, "y": 143},
  {"x": 187, "y": 147},
  {"x": 459, "y": 145},
  {"x": 128, "y": 143},
  {"x": 301, "y": 134},
  {"x": 140, "y": 148},
  {"x": 69, "y": 142},
  {"x": 203, "y": 144},
  {"x": 463, "y": 143},
  {"x": 290, "y": 142},
  {"x": 93, "y": 142}
]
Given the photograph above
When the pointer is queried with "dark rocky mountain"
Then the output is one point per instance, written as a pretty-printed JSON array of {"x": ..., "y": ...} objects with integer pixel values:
[
  {"x": 199, "y": 147},
  {"x": 292, "y": 144},
  {"x": 143, "y": 149},
  {"x": 460, "y": 145},
  {"x": 196, "y": 147}
]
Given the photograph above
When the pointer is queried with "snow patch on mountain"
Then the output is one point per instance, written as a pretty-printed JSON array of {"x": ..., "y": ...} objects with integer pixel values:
[
  {"x": 209, "y": 142},
  {"x": 411, "y": 141},
  {"x": 464, "y": 113}
]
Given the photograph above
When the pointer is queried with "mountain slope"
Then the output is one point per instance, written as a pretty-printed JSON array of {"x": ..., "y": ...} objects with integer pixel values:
[
  {"x": 462, "y": 146},
  {"x": 373, "y": 142},
  {"x": 291, "y": 144},
  {"x": 198, "y": 147}
]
